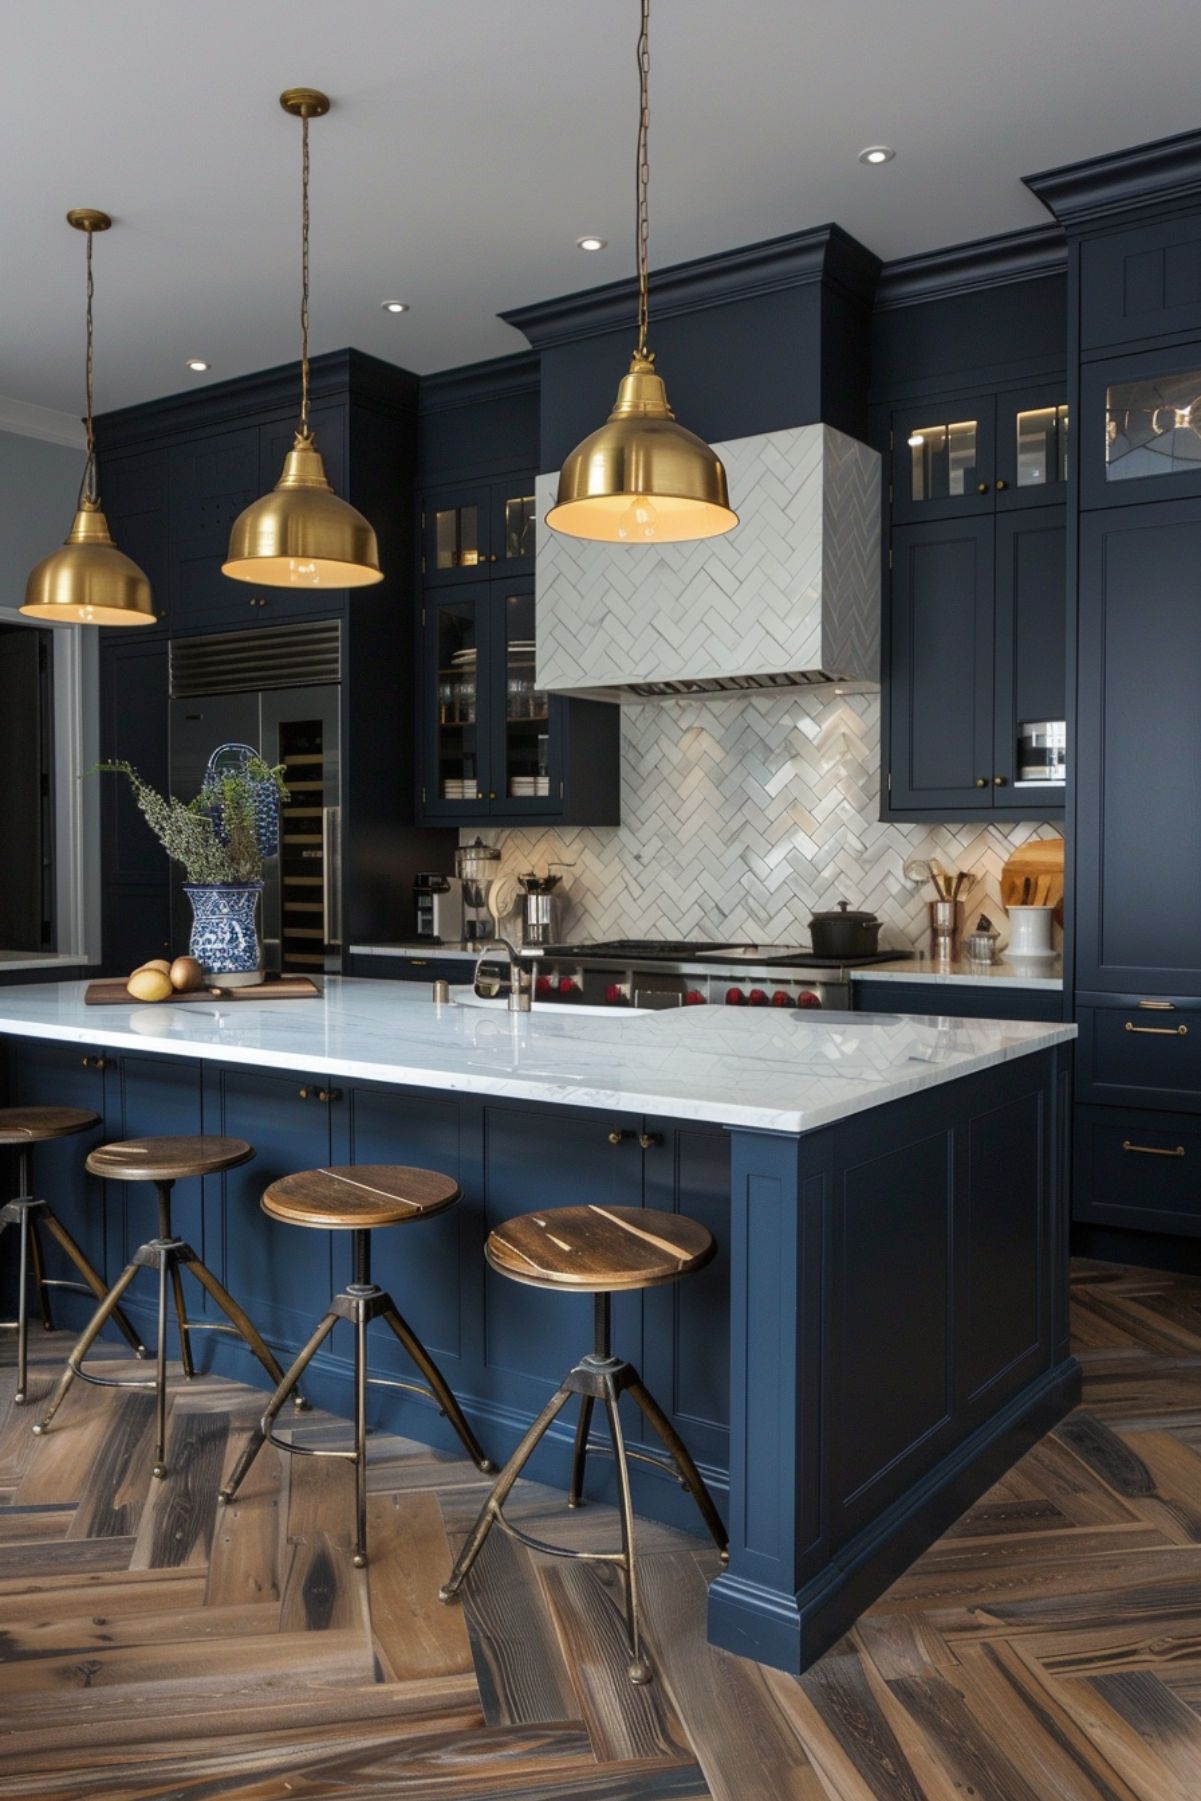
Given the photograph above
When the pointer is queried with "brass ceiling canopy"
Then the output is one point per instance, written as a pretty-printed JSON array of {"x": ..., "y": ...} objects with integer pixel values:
[
  {"x": 302, "y": 535},
  {"x": 88, "y": 581},
  {"x": 642, "y": 478}
]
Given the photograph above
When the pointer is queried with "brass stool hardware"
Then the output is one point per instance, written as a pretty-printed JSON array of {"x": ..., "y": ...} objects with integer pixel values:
[
  {"x": 575, "y": 1238},
  {"x": 358, "y": 1197},
  {"x": 154, "y": 1159}
]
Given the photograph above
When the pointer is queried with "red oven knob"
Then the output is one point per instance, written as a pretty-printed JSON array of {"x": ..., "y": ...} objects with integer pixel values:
[
  {"x": 543, "y": 986},
  {"x": 615, "y": 994},
  {"x": 735, "y": 997},
  {"x": 694, "y": 998},
  {"x": 807, "y": 998},
  {"x": 782, "y": 999},
  {"x": 567, "y": 987},
  {"x": 757, "y": 997}
]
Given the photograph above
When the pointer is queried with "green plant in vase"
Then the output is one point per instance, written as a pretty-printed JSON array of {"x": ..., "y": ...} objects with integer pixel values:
[{"x": 221, "y": 839}]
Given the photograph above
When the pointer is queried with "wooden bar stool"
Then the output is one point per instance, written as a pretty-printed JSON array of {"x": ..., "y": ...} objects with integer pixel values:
[
  {"x": 163, "y": 1161},
  {"x": 598, "y": 1251},
  {"x": 357, "y": 1198},
  {"x": 24, "y": 1127}
]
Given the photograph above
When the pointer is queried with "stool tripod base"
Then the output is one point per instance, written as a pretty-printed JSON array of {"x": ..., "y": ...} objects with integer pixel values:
[
  {"x": 358, "y": 1304},
  {"x": 29, "y": 1214},
  {"x": 604, "y": 1378},
  {"x": 169, "y": 1257}
]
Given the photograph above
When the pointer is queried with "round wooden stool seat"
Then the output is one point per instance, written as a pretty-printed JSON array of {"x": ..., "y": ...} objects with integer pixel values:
[
  {"x": 598, "y": 1249},
  {"x": 358, "y": 1196},
  {"x": 166, "y": 1159},
  {"x": 33, "y": 1125}
]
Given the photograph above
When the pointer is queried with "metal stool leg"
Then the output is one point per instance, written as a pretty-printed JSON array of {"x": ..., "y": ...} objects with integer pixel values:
[
  {"x": 91, "y": 1333},
  {"x": 499, "y": 1493},
  {"x": 241, "y": 1322},
  {"x": 689, "y": 1474},
  {"x": 160, "y": 1370},
  {"x": 575, "y": 1494},
  {"x": 94, "y": 1280},
  {"x": 185, "y": 1344},
  {"x": 640, "y": 1669},
  {"x": 258, "y": 1437},
  {"x": 446, "y": 1400},
  {"x": 360, "y": 1437},
  {"x": 39, "y": 1274},
  {"x": 23, "y": 1307}
]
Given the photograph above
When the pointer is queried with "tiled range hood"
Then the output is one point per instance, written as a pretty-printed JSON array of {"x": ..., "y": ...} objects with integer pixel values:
[{"x": 789, "y": 598}]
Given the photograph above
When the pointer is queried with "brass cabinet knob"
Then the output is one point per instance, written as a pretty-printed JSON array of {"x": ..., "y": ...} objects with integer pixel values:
[
  {"x": 616, "y": 1137},
  {"x": 302, "y": 1094},
  {"x": 491, "y": 794},
  {"x": 95, "y": 1062},
  {"x": 982, "y": 781},
  {"x": 999, "y": 781},
  {"x": 648, "y": 1140},
  {"x": 329, "y": 1094},
  {"x": 982, "y": 487},
  {"x": 1002, "y": 483}
]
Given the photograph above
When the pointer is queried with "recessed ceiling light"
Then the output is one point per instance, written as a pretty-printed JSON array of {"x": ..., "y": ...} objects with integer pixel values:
[
  {"x": 198, "y": 365},
  {"x": 394, "y": 306},
  {"x": 591, "y": 243},
  {"x": 877, "y": 153}
]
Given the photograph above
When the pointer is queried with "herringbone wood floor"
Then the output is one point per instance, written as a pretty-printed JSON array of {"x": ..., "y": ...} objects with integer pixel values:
[{"x": 1047, "y": 1649}]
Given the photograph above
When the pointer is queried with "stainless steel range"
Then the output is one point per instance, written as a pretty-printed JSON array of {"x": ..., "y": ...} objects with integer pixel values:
[{"x": 634, "y": 972}]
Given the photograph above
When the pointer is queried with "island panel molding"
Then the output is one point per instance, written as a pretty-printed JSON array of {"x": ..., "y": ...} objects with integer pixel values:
[{"x": 741, "y": 818}]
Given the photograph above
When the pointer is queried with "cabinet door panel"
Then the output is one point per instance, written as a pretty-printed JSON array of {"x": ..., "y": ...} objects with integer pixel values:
[
  {"x": 154, "y": 1097},
  {"x": 1137, "y": 1170},
  {"x": 1141, "y": 284},
  {"x": 282, "y": 1275},
  {"x": 1031, "y": 636},
  {"x": 943, "y": 459},
  {"x": 212, "y": 480},
  {"x": 459, "y": 777},
  {"x": 942, "y": 666},
  {"x": 1148, "y": 1056},
  {"x": 1033, "y": 445},
  {"x": 549, "y": 1159},
  {"x": 1139, "y": 775},
  {"x": 456, "y": 534},
  {"x": 527, "y": 725},
  {"x": 134, "y": 492}
]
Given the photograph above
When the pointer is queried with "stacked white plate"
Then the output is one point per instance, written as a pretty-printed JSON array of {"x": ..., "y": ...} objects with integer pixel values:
[
  {"x": 528, "y": 787},
  {"x": 459, "y": 790}
]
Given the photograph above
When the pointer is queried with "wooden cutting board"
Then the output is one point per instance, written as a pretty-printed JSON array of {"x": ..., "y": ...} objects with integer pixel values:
[
  {"x": 1033, "y": 876},
  {"x": 113, "y": 993}
]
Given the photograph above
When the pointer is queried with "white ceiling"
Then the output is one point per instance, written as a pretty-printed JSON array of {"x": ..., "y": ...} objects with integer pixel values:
[{"x": 473, "y": 141}]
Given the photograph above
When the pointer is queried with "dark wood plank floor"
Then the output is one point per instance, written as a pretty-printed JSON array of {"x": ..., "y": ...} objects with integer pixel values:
[{"x": 1047, "y": 1649}]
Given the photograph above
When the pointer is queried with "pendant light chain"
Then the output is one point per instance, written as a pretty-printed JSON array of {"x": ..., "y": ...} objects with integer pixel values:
[
  {"x": 89, "y": 471},
  {"x": 644, "y": 172},
  {"x": 304, "y": 278}
]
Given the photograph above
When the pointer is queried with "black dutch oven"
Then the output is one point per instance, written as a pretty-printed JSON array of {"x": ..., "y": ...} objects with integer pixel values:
[{"x": 842, "y": 933}]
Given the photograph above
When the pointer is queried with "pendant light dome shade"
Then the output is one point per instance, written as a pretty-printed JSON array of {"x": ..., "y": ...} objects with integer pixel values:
[
  {"x": 88, "y": 581},
  {"x": 301, "y": 535},
  {"x": 642, "y": 477}
]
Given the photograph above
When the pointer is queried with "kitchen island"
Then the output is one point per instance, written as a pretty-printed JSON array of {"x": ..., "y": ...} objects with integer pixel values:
[{"x": 883, "y": 1330}]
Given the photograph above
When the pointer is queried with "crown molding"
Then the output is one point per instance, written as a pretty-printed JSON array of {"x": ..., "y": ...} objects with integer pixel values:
[
  {"x": 798, "y": 260},
  {"x": 494, "y": 379},
  {"x": 967, "y": 268},
  {"x": 1163, "y": 173},
  {"x": 45, "y": 422}
]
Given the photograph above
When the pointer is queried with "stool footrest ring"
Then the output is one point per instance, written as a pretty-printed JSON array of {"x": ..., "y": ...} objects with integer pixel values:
[{"x": 549, "y": 1550}]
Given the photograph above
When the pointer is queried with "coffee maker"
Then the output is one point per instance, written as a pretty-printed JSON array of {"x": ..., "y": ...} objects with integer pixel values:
[
  {"x": 438, "y": 901},
  {"x": 539, "y": 908},
  {"x": 476, "y": 867}
]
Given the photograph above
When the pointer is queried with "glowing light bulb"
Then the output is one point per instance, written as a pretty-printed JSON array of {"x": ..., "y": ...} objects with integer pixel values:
[
  {"x": 306, "y": 573},
  {"x": 638, "y": 520}
]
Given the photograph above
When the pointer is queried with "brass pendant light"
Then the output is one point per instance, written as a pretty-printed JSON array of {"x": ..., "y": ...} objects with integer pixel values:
[
  {"x": 642, "y": 478},
  {"x": 88, "y": 581},
  {"x": 301, "y": 535}
]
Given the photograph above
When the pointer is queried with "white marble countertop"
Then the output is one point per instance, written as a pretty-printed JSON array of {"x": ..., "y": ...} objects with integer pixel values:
[
  {"x": 1028, "y": 972},
  {"x": 775, "y": 1071}
]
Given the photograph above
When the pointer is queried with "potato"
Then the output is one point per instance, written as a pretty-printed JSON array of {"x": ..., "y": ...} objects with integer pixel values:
[
  {"x": 186, "y": 973},
  {"x": 149, "y": 985},
  {"x": 159, "y": 963}
]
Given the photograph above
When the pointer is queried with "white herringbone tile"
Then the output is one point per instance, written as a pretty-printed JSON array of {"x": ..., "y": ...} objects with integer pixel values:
[{"x": 741, "y": 818}]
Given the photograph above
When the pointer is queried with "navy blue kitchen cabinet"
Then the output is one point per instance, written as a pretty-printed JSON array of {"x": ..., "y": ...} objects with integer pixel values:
[
  {"x": 1137, "y": 1170},
  {"x": 495, "y": 748},
  {"x": 958, "y": 1000},
  {"x": 1141, "y": 1053},
  {"x": 1141, "y": 416},
  {"x": 1138, "y": 836},
  {"x": 135, "y": 902},
  {"x": 478, "y": 529},
  {"x": 976, "y": 454},
  {"x": 976, "y": 647},
  {"x": 134, "y": 488}
]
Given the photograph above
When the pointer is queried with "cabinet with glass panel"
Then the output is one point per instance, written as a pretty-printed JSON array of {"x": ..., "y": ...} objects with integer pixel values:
[
  {"x": 982, "y": 453},
  {"x": 497, "y": 748},
  {"x": 485, "y": 529},
  {"x": 1142, "y": 424}
]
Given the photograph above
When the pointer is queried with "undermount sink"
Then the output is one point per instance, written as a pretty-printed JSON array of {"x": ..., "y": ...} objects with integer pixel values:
[{"x": 467, "y": 997}]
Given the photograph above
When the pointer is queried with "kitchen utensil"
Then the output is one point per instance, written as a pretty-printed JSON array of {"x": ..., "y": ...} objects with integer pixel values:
[
  {"x": 842, "y": 933},
  {"x": 1034, "y": 876},
  {"x": 476, "y": 867},
  {"x": 981, "y": 944},
  {"x": 539, "y": 908},
  {"x": 946, "y": 917}
]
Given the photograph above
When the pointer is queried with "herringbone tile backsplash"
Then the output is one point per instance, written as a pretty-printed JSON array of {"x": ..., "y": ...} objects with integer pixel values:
[{"x": 741, "y": 818}]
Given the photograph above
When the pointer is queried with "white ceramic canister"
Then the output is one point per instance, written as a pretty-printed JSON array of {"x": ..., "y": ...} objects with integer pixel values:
[{"x": 1030, "y": 932}]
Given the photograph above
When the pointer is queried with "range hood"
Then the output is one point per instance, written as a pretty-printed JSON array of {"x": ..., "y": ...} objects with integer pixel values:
[{"x": 790, "y": 598}]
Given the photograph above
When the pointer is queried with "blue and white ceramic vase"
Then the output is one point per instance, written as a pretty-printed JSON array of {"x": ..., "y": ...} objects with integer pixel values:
[{"x": 224, "y": 938}]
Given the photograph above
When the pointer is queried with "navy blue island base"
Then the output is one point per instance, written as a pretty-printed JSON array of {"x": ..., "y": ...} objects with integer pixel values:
[{"x": 883, "y": 1331}]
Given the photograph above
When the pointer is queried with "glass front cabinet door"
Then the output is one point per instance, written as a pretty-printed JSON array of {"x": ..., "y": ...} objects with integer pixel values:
[
  {"x": 458, "y": 761},
  {"x": 486, "y": 529},
  {"x": 943, "y": 459},
  {"x": 1032, "y": 448},
  {"x": 1142, "y": 415}
]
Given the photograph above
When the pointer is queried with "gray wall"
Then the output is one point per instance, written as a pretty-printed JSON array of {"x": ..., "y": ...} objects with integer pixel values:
[{"x": 38, "y": 485}]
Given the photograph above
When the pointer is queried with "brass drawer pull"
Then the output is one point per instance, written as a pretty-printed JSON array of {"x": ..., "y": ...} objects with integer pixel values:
[
  {"x": 329, "y": 1094},
  {"x": 1159, "y": 1006},
  {"x": 648, "y": 1140},
  {"x": 1158, "y": 1031},
  {"x": 1152, "y": 1150}
]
